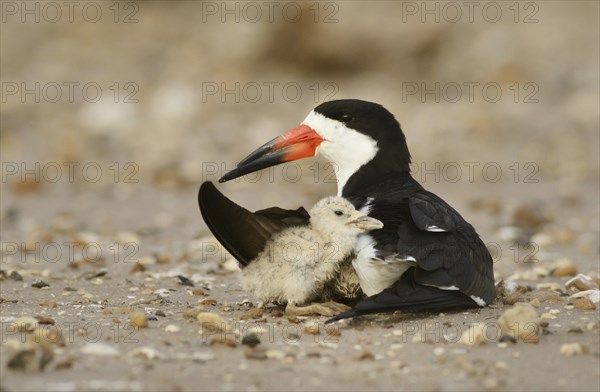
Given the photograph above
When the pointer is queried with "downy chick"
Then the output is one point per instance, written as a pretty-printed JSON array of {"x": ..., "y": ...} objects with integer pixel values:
[{"x": 298, "y": 262}]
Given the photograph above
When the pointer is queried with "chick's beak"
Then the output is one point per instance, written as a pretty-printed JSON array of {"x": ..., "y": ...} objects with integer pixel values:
[
  {"x": 364, "y": 222},
  {"x": 297, "y": 143}
]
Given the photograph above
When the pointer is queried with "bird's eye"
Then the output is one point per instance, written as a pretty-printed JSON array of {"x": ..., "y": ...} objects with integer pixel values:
[
  {"x": 338, "y": 212},
  {"x": 346, "y": 117}
]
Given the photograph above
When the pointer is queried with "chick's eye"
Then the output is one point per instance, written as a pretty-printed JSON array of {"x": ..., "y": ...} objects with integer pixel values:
[
  {"x": 338, "y": 212},
  {"x": 346, "y": 117}
]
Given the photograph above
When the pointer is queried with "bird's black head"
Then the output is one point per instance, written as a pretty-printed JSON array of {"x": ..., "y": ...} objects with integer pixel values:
[
  {"x": 370, "y": 119},
  {"x": 362, "y": 139}
]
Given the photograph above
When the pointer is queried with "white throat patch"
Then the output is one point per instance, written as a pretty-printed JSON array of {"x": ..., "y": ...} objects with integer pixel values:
[{"x": 344, "y": 147}]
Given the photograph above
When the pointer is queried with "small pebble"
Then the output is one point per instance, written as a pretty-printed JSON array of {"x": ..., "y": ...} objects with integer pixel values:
[
  {"x": 312, "y": 329},
  {"x": 211, "y": 322},
  {"x": 563, "y": 267},
  {"x": 172, "y": 328},
  {"x": 572, "y": 349},
  {"x": 581, "y": 282},
  {"x": 24, "y": 324},
  {"x": 145, "y": 352},
  {"x": 14, "y": 275},
  {"x": 256, "y": 353},
  {"x": 474, "y": 336},
  {"x": 583, "y": 304},
  {"x": 535, "y": 303},
  {"x": 138, "y": 319},
  {"x": 592, "y": 295},
  {"x": 251, "y": 340},
  {"x": 38, "y": 284},
  {"x": 255, "y": 313},
  {"x": 223, "y": 341},
  {"x": 275, "y": 354},
  {"x": 100, "y": 349},
  {"x": 184, "y": 281},
  {"x": 45, "y": 320},
  {"x": 520, "y": 322},
  {"x": 364, "y": 356},
  {"x": 208, "y": 301}
]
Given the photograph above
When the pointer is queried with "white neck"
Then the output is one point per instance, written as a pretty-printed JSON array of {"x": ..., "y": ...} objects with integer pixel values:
[{"x": 344, "y": 147}]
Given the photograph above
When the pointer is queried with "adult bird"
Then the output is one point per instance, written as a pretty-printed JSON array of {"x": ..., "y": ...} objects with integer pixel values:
[{"x": 426, "y": 257}]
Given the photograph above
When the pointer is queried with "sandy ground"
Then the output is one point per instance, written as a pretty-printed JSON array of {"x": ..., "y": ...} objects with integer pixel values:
[{"x": 88, "y": 251}]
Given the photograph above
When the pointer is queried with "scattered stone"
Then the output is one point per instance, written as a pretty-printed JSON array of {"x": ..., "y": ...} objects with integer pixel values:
[
  {"x": 38, "y": 284},
  {"x": 138, "y": 319},
  {"x": 535, "y": 303},
  {"x": 583, "y": 304},
  {"x": 223, "y": 341},
  {"x": 474, "y": 336},
  {"x": 185, "y": 281},
  {"x": 548, "y": 286},
  {"x": 172, "y": 328},
  {"x": 191, "y": 314},
  {"x": 42, "y": 320},
  {"x": 211, "y": 322},
  {"x": 513, "y": 298},
  {"x": 14, "y": 275},
  {"x": 547, "y": 316},
  {"x": 48, "y": 303},
  {"x": 24, "y": 324},
  {"x": 312, "y": 329},
  {"x": 160, "y": 313},
  {"x": 198, "y": 292},
  {"x": 582, "y": 283},
  {"x": 521, "y": 322},
  {"x": 100, "y": 349},
  {"x": 251, "y": 340},
  {"x": 64, "y": 364},
  {"x": 255, "y": 313},
  {"x": 333, "y": 332},
  {"x": 364, "y": 356},
  {"x": 137, "y": 267},
  {"x": 547, "y": 296},
  {"x": 592, "y": 295},
  {"x": 275, "y": 354},
  {"x": 256, "y": 353},
  {"x": 145, "y": 352},
  {"x": 563, "y": 267},
  {"x": 564, "y": 236},
  {"x": 575, "y": 330},
  {"x": 208, "y": 301},
  {"x": 94, "y": 274},
  {"x": 277, "y": 313},
  {"x": 572, "y": 349}
]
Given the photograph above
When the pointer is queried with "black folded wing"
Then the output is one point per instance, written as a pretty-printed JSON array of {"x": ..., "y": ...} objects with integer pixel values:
[{"x": 243, "y": 233}]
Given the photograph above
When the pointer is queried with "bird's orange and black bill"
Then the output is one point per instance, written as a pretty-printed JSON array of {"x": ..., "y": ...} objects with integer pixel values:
[{"x": 300, "y": 142}]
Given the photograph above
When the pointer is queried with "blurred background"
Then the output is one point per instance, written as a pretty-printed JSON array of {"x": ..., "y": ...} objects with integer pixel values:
[{"x": 113, "y": 113}]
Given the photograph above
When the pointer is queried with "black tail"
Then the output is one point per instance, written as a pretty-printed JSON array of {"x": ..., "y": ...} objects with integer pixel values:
[{"x": 406, "y": 294}]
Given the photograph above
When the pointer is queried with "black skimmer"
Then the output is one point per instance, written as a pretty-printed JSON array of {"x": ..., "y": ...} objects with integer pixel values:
[
  {"x": 426, "y": 257},
  {"x": 298, "y": 263}
]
